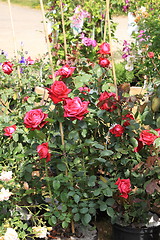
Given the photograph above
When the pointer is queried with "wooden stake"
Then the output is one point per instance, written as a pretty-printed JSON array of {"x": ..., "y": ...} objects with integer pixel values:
[
  {"x": 105, "y": 24},
  {"x": 14, "y": 39},
  {"x": 110, "y": 42},
  {"x": 46, "y": 35},
  {"x": 61, "y": 126},
  {"x": 64, "y": 32}
]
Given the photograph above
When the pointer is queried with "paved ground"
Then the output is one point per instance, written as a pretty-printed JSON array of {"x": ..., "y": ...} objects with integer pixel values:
[{"x": 28, "y": 28}]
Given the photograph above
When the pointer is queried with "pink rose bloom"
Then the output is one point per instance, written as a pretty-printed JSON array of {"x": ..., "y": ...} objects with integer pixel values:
[
  {"x": 150, "y": 54},
  {"x": 124, "y": 186},
  {"x": 104, "y": 48},
  {"x": 65, "y": 72},
  {"x": 25, "y": 98},
  {"x": 58, "y": 91},
  {"x": 84, "y": 90},
  {"x": 7, "y": 67},
  {"x": 9, "y": 130},
  {"x": 147, "y": 138},
  {"x": 104, "y": 62},
  {"x": 75, "y": 108},
  {"x": 87, "y": 41},
  {"x": 107, "y": 101},
  {"x": 43, "y": 151},
  {"x": 29, "y": 61},
  {"x": 35, "y": 119},
  {"x": 117, "y": 130}
]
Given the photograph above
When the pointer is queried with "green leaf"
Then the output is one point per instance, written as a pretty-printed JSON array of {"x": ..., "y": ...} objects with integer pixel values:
[
  {"x": 91, "y": 181},
  {"x": 61, "y": 167},
  {"x": 83, "y": 210},
  {"x": 15, "y": 137},
  {"x": 110, "y": 201},
  {"x": 99, "y": 146},
  {"x": 47, "y": 214},
  {"x": 97, "y": 192},
  {"x": 157, "y": 142},
  {"x": 76, "y": 217},
  {"x": 65, "y": 224},
  {"x": 76, "y": 198},
  {"x": 103, "y": 206},
  {"x": 134, "y": 142},
  {"x": 106, "y": 153},
  {"x": 40, "y": 135},
  {"x": 110, "y": 212},
  {"x": 56, "y": 184},
  {"x": 87, "y": 218},
  {"x": 53, "y": 220}
]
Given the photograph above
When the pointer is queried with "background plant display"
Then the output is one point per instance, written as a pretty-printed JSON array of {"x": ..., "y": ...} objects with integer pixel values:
[{"x": 78, "y": 152}]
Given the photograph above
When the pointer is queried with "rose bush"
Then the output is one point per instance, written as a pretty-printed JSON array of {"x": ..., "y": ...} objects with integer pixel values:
[{"x": 83, "y": 149}]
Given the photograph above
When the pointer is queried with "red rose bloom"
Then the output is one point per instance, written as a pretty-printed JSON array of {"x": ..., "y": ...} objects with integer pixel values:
[
  {"x": 75, "y": 108},
  {"x": 35, "y": 119},
  {"x": 151, "y": 54},
  {"x": 146, "y": 137},
  {"x": 107, "y": 101},
  {"x": 104, "y": 62},
  {"x": 43, "y": 151},
  {"x": 58, "y": 91},
  {"x": 104, "y": 48},
  {"x": 9, "y": 130},
  {"x": 124, "y": 186},
  {"x": 127, "y": 117},
  {"x": 65, "y": 72},
  {"x": 117, "y": 130},
  {"x": 7, "y": 67}
]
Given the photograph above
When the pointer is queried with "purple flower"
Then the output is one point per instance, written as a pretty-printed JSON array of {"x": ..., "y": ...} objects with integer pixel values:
[
  {"x": 124, "y": 56},
  {"x": 125, "y": 8},
  {"x": 22, "y": 60},
  {"x": 88, "y": 41}
]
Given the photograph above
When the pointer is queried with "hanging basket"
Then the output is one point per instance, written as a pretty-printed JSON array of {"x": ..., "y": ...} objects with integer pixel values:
[{"x": 129, "y": 233}]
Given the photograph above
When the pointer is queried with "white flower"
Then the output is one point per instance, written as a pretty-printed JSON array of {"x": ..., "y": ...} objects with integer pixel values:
[
  {"x": 4, "y": 194},
  {"x": 6, "y": 176},
  {"x": 40, "y": 232},
  {"x": 11, "y": 234},
  {"x": 129, "y": 66}
]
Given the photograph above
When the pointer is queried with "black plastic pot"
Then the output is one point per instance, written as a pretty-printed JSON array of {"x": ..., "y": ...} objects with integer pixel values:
[{"x": 129, "y": 233}]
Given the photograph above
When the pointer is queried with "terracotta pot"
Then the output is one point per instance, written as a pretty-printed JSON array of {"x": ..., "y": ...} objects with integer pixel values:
[{"x": 129, "y": 233}]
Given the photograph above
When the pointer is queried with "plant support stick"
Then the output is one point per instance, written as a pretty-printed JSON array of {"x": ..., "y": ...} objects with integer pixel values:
[{"x": 46, "y": 35}]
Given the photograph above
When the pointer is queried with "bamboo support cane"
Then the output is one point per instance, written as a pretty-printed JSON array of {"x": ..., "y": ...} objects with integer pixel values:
[
  {"x": 65, "y": 51},
  {"x": 14, "y": 40},
  {"x": 107, "y": 20},
  {"x": 47, "y": 39},
  {"x": 64, "y": 32}
]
